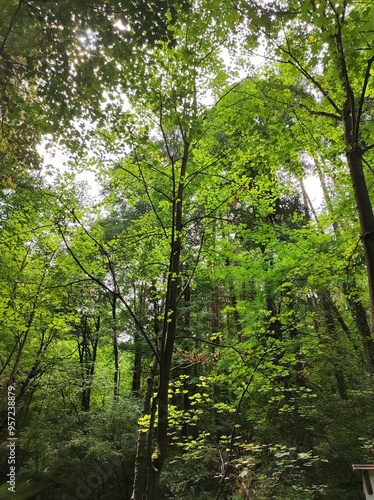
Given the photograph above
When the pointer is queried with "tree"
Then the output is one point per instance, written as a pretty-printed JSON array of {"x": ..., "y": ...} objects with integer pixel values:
[
  {"x": 334, "y": 63},
  {"x": 199, "y": 329}
]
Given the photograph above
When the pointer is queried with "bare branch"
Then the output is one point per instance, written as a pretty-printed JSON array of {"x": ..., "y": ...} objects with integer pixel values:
[
  {"x": 151, "y": 201},
  {"x": 367, "y": 148},
  {"x": 194, "y": 268},
  {"x": 320, "y": 113},
  {"x": 362, "y": 98},
  {"x": 106, "y": 288},
  {"x": 10, "y": 27}
]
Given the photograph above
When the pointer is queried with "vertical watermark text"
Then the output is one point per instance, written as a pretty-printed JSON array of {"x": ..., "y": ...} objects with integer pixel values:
[{"x": 11, "y": 439}]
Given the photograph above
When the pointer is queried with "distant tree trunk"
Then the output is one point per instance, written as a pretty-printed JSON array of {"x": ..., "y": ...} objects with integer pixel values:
[
  {"x": 350, "y": 288},
  {"x": 137, "y": 367},
  {"x": 325, "y": 191},
  {"x": 327, "y": 303},
  {"x": 328, "y": 311},
  {"x": 138, "y": 339},
  {"x": 87, "y": 349},
  {"x": 214, "y": 315},
  {"x": 116, "y": 375},
  {"x": 359, "y": 315},
  {"x": 187, "y": 313},
  {"x": 307, "y": 202}
]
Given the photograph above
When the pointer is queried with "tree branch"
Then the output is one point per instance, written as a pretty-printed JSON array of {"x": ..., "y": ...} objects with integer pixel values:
[
  {"x": 10, "y": 27},
  {"x": 116, "y": 292},
  {"x": 151, "y": 201},
  {"x": 193, "y": 270},
  {"x": 362, "y": 99},
  {"x": 367, "y": 148},
  {"x": 319, "y": 113}
]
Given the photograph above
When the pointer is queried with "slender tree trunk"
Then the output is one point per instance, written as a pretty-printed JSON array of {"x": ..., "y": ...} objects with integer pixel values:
[
  {"x": 36, "y": 370},
  {"x": 153, "y": 479},
  {"x": 215, "y": 315},
  {"x": 87, "y": 347},
  {"x": 307, "y": 201},
  {"x": 169, "y": 328},
  {"x": 137, "y": 366},
  {"x": 142, "y": 465},
  {"x": 138, "y": 344},
  {"x": 366, "y": 217},
  {"x": 350, "y": 290},
  {"x": 325, "y": 191},
  {"x": 167, "y": 341},
  {"x": 116, "y": 374},
  {"x": 328, "y": 306},
  {"x": 328, "y": 311}
]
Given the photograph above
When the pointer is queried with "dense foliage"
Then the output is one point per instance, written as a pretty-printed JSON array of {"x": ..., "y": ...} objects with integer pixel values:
[{"x": 192, "y": 327}]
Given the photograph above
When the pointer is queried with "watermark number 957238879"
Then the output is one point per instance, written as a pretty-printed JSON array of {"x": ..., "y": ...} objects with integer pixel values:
[{"x": 11, "y": 439}]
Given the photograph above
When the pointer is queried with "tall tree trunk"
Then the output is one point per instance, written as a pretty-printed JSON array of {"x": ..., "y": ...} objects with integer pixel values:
[
  {"x": 137, "y": 366},
  {"x": 116, "y": 374},
  {"x": 350, "y": 289},
  {"x": 307, "y": 201},
  {"x": 328, "y": 311},
  {"x": 366, "y": 217},
  {"x": 142, "y": 465},
  {"x": 169, "y": 327},
  {"x": 214, "y": 315},
  {"x": 168, "y": 334},
  {"x": 138, "y": 344},
  {"x": 359, "y": 315},
  {"x": 87, "y": 348},
  {"x": 325, "y": 191},
  {"x": 234, "y": 303}
]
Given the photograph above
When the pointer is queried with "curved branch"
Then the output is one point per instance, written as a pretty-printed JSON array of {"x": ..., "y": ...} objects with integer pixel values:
[
  {"x": 362, "y": 99},
  {"x": 10, "y": 27},
  {"x": 106, "y": 288}
]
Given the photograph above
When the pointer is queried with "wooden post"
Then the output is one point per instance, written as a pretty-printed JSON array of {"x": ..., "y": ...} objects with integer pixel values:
[{"x": 367, "y": 471}]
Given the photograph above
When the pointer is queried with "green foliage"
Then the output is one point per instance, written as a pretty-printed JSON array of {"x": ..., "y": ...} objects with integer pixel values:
[{"x": 270, "y": 382}]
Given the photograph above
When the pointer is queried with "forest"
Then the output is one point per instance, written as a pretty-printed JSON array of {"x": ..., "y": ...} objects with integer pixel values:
[{"x": 180, "y": 318}]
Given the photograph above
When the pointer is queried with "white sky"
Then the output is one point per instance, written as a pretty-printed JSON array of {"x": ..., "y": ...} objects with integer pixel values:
[{"x": 314, "y": 190}]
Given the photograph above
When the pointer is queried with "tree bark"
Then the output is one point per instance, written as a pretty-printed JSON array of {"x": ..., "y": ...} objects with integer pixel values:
[
  {"x": 154, "y": 467},
  {"x": 139, "y": 491},
  {"x": 365, "y": 214},
  {"x": 137, "y": 366},
  {"x": 169, "y": 329},
  {"x": 87, "y": 348},
  {"x": 328, "y": 312},
  {"x": 350, "y": 289},
  {"x": 116, "y": 374}
]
